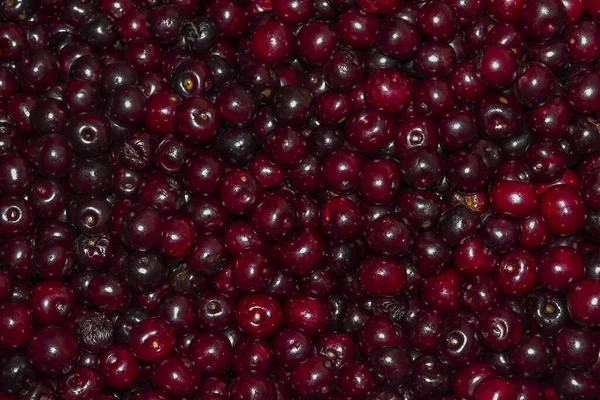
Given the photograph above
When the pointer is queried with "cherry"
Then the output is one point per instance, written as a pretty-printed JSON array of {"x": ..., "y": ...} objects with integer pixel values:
[
  {"x": 315, "y": 378},
  {"x": 17, "y": 325},
  {"x": 431, "y": 377},
  {"x": 297, "y": 199},
  {"x": 388, "y": 90},
  {"x": 259, "y": 315},
  {"x": 495, "y": 387},
  {"x": 562, "y": 210},
  {"x": 468, "y": 378},
  {"x": 118, "y": 367},
  {"x": 581, "y": 302},
  {"x": 307, "y": 314},
  {"x": 53, "y": 351},
  {"x": 151, "y": 339},
  {"x": 497, "y": 66},
  {"x": 357, "y": 29}
]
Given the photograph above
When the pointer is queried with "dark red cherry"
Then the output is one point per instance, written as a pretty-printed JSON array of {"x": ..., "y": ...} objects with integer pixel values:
[
  {"x": 466, "y": 83},
  {"x": 285, "y": 146},
  {"x": 80, "y": 382},
  {"x": 430, "y": 255},
  {"x": 442, "y": 291},
  {"x": 582, "y": 302},
  {"x": 388, "y": 90},
  {"x": 251, "y": 272},
  {"x": 562, "y": 210},
  {"x": 495, "y": 387},
  {"x": 53, "y": 351},
  {"x": 176, "y": 375},
  {"x": 151, "y": 339},
  {"x": 16, "y": 323},
  {"x": 272, "y": 43},
  {"x": 37, "y": 69},
  {"x": 497, "y": 66},
  {"x": 252, "y": 384},
  {"x": 108, "y": 293},
  {"x": 431, "y": 378},
  {"x": 501, "y": 234},
  {"x": 341, "y": 170},
  {"x": 389, "y": 236},
  {"x": 118, "y": 367},
  {"x": 421, "y": 168},
  {"x": 532, "y": 356},
  {"x": 510, "y": 35},
  {"x": 458, "y": 345},
  {"x": 307, "y": 314},
  {"x": 315, "y": 378},
  {"x": 545, "y": 161},
  {"x": 340, "y": 219},
  {"x": 291, "y": 347},
  {"x": 433, "y": 98},
  {"x": 516, "y": 272},
  {"x": 397, "y": 38},
  {"x": 437, "y": 21},
  {"x": 582, "y": 94},
  {"x": 504, "y": 10},
  {"x": 51, "y": 302},
  {"x": 274, "y": 218},
  {"x": 515, "y": 199},
  {"x": 500, "y": 328},
  {"x": 357, "y": 29},
  {"x": 381, "y": 276},
  {"x": 211, "y": 352},
  {"x": 252, "y": 354},
  {"x": 259, "y": 315},
  {"x": 575, "y": 384},
  {"x": 551, "y": 120},
  {"x": 560, "y": 268},
  {"x": 575, "y": 348},
  {"x": 355, "y": 379},
  {"x": 498, "y": 115},
  {"x": 542, "y": 20}
]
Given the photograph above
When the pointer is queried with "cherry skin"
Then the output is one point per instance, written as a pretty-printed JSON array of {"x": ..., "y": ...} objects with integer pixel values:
[
  {"x": 437, "y": 21},
  {"x": 356, "y": 379},
  {"x": 515, "y": 199},
  {"x": 516, "y": 272},
  {"x": 562, "y": 210},
  {"x": 44, "y": 354},
  {"x": 314, "y": 378},
  {"x": 291, "y": 347},
  {"x": 176, "y": 376},
  {"x": 531, "y": 357},
  {"x": 500, "y": 328},
  {"x": 357, "y": 29},
  {"x": 388, "y": 90},
  {"x": 495, "y": 387},
  {"x": 575, "y": 348},
  {"x": 560, "y": 268},
  {"x": 151, "y": 339},
  {"x": 272, "y": 42},
  {"x": 259, "y": 315},
  {"x": 382, "y": 276},
  {"x": 17, "y": 325},
  {"x": 310, "y": 315},
  {"x": 468, "y": 378},
  {"x": 582, "y": 303},
  {"x": 118, "y": 367},
  {"x": 497, "y": 66},
  {"x": 442, "y": 291}
]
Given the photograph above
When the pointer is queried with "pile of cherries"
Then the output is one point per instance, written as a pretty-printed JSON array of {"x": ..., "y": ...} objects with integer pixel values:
[{"x": 299, "y": 199}]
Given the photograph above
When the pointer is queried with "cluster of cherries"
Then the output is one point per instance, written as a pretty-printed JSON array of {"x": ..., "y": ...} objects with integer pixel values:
[{"x": 299, "y": 199}]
